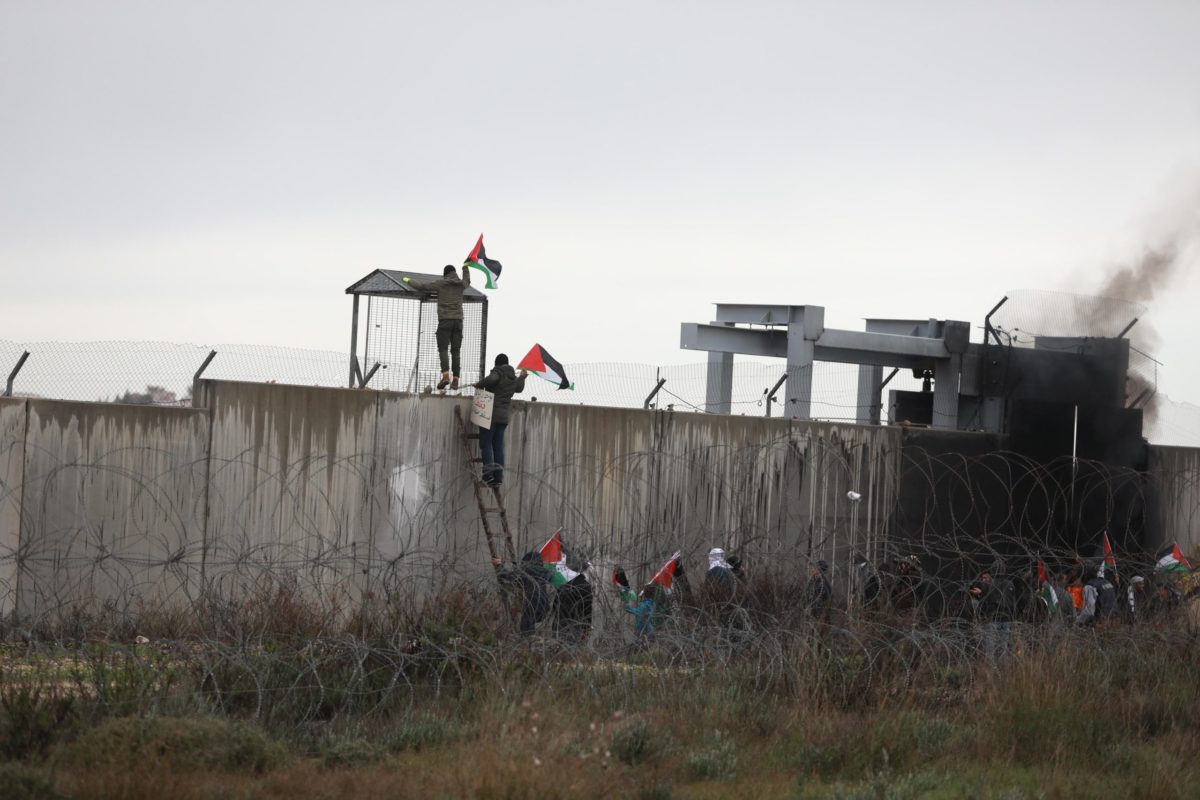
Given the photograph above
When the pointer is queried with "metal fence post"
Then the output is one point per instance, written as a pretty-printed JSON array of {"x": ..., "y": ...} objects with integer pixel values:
[
  {"x": 654, "y": 393},
  {"x": 196, "y": 378},
  {"x": 774, "y": 389},
  {"x": 367, "y": 378},
  {"x": 12, "y": 376}
]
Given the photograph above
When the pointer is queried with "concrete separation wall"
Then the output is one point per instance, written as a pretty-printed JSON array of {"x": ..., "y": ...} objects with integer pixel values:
[{"x": 352, "y": 493}]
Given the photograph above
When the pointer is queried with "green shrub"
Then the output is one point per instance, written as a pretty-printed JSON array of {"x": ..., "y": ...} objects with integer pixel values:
[
  {"x": 659, "y": 791},
  {"x": 633, "y": 742},
  {"x": 421, "y": 732},
  {"x": 32, "y": 719},
  {"x": 815, "y": 759},
  {"x": 717, "y": 761},
  {"x": 19, "y": 782},
  {"x": 349, "y": 751},
  {"x": 194, "y": 743}
]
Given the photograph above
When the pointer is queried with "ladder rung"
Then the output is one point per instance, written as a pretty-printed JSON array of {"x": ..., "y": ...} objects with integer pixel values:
[
  {"x": 470, "y": 435},
  {"x": 494, "y": 510},
  {"x": 475, "y": 460}
]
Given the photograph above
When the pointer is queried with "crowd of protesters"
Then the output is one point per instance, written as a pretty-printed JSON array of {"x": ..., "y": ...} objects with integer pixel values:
[{"x": 898, "y": 591}]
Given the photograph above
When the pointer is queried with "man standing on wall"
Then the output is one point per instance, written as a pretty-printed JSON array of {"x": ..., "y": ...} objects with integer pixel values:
[
  {"x": 449, "y": 291},
  {"x": 503, "y": 382}
]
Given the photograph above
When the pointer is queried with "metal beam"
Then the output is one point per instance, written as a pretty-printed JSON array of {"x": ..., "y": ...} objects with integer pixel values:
[
  {"x": 882, "y": 343},
  {"x": 754, "y": 314},
  {"x": 870, "y": 388},
  {"x": 837, "y": 346},
  {"x": 718, "y": 387},
  {"x": 946, "y": 377},
  {"x": 724, "y": 339}
]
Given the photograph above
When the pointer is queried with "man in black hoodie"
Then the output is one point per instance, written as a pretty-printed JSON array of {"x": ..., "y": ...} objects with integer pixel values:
[
  {"x": 534, "y": 582},
  {"x": 502, "y": 382}
]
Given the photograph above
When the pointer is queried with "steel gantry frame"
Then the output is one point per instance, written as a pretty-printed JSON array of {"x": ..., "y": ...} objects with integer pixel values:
[{"x": 798, "y": 335}]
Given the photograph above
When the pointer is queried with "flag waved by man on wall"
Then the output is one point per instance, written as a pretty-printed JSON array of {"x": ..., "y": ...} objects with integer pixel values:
[
  {"x": 490, "y": 267},
  {"x": 545, "y": 366}
]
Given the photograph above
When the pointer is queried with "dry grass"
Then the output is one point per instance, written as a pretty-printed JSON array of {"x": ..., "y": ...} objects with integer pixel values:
[{"x": 279, "y": 702}]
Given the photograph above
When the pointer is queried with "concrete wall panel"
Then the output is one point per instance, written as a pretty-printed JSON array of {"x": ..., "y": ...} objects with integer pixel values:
[
  {"x": 112, "y": 512},
  {"x": 1175, "y": 475},
  {"x": 12, "y": 465},
  {"x": 288, "y": 485}
]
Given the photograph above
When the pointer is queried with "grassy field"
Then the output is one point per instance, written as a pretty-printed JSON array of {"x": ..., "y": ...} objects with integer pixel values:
[{"x": 450, "y": 712}]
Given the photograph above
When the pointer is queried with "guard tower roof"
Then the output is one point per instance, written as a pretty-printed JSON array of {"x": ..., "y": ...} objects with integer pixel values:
[{"x": 390, "y": 283}]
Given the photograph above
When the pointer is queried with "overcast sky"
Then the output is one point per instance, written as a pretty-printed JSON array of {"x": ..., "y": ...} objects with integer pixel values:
[{"x": 220, "y": 172}]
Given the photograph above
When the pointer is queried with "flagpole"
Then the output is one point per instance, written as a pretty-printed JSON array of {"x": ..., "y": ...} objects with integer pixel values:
[{"x": 1074, "y": 466}]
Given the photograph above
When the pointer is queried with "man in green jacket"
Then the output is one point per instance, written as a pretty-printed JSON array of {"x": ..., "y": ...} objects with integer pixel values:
[
  {"x": 503, "y": 382},
  {"x": 449, "y": 291}
]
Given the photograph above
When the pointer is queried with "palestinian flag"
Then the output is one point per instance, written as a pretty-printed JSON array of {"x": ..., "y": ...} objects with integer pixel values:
[
  {"x": 1173, "y": 561},
  {"x": 1046, "y": 590},
  {"x": 1110, "y": 561},
  {"x": 555, "y": 561},
  {"x": 545, "y": 366},
  {"x": 620, "y": 582},
  {"x": 479, "y": 260},
  {"x": 666, "y": 573}
]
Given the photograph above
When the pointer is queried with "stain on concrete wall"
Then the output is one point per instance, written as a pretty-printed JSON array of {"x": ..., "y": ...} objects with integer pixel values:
[
  {"x": 12, "y": 464},
  {"x": 1175, "y": 503},
  {"x": 288, "y": 485},
  {"x": 112, "y": 506}
]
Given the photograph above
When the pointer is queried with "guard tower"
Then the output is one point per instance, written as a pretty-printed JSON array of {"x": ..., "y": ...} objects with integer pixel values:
[{"x": 398, "y": 343}]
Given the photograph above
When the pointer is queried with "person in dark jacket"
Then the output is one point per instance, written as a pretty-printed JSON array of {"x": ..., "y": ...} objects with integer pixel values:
[
  {"x": 818, "y": 593},
  {"x": 1099, "y": 600},
  {"x": 719, "y": 579},
  {"x": 533, "y": 580},
  {"x": 573, "y": 606},
  {"x": 449, "y": 291},
  {"x": 993, "y": 603},
  {"x": 503, "y": 382}
]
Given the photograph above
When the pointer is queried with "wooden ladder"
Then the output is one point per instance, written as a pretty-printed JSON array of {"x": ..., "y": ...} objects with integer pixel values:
[{"x": 481, "y": 495}]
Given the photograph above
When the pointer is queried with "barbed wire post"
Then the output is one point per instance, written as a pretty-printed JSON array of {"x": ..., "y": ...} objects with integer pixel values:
[
  {"x": 371, "y": 372},
  {"x": 654, "y": 393},
  {"x": 196, "y": 378},
  {"x": 12, "y": 376},
  {"x": 774, "y": 389}
]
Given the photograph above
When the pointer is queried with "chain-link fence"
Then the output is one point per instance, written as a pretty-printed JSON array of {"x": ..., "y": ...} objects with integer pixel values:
[{"x": 162, "y": 373}]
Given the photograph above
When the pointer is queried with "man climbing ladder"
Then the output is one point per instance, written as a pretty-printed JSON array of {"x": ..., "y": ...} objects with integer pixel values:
[{"x": 449, "y": 291}]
